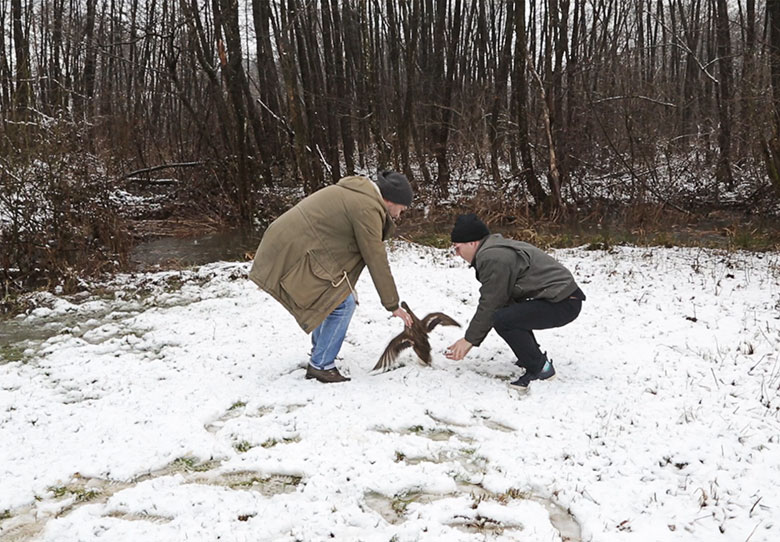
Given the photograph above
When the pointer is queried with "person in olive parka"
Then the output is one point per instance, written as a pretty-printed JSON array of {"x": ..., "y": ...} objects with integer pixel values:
[
  {"x": 311, "y": 257},
  {"x": 523, "y": 289}
]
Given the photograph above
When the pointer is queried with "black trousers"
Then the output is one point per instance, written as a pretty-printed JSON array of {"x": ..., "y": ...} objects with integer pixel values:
[{"x": 515, "y": 324}]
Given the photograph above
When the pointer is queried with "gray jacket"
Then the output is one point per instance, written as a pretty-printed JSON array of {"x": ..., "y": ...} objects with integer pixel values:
[{"x": 510, "y": 272}]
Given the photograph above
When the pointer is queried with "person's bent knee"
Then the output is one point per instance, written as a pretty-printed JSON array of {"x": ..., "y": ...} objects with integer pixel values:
[
  {"x": 502, "y": 320},
  {"x": 573, "y": 308}
]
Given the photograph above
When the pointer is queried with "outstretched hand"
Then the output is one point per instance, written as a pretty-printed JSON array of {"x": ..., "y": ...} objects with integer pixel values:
[
  {"x": 403, "y": 315},
  {"x": 458, "y": 350}
]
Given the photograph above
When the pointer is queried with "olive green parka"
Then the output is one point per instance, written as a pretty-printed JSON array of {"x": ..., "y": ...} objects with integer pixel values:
[{"x": 311, "y": 256}]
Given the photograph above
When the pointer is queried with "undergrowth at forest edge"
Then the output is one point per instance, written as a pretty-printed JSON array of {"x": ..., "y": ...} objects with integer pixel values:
[{"x": 426, "y": 224}]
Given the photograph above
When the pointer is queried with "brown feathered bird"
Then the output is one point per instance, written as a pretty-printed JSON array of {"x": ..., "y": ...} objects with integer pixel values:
[{"x": 415, "y": 336}]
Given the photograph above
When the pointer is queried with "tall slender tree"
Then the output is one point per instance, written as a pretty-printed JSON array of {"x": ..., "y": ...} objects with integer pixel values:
[
  {"x": 723, "y": 170},
  {"x": 23, "y": 93}
]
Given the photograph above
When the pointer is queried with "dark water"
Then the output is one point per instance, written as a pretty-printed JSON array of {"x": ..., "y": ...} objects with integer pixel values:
[{"x": 233, "y": 245}]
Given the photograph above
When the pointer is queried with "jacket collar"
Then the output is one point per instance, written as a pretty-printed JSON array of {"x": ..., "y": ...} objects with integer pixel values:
[{"x": 481, "y": 244}]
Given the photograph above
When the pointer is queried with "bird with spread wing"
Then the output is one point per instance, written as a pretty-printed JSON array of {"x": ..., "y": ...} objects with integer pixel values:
[{"x": 415, "y": 336}]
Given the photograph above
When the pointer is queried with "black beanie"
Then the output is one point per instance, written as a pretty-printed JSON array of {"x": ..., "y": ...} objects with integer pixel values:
[
  {"x": 468, "y": 228},
  {"x": 394, "y": 187}
]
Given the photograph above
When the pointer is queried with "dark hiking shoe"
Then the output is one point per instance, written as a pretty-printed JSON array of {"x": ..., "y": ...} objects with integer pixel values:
[
  {"x": 547, "y": 373},
  {"x": 325, "y": 375}
]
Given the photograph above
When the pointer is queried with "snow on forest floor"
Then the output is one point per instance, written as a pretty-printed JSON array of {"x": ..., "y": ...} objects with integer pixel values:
[{"x": 173, "y": 406}]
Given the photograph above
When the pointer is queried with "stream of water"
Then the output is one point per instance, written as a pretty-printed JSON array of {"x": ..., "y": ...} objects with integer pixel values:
[{"x": 231, "y": 245}]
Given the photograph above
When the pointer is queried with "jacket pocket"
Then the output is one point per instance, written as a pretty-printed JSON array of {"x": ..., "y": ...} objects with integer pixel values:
[{"x": 306, "y": 281}]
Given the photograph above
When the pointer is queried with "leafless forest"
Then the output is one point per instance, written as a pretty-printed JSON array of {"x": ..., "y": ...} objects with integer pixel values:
[{"x": 551, "y": 106}]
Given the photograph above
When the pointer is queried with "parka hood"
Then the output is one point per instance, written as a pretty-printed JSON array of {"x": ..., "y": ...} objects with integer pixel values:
[{"x": 361, "y": 184}]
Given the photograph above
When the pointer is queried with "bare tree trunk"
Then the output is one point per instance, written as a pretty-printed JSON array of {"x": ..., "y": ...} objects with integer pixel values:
[
  {"x": 445, "y": 106},
  {"x": 54, "y": 94},
  {"x": 309, "y": 70},
  {"x": 87, "y": 87},
  {"x": 288, "y": 55},
  {"x": 268, "y": 88},
  {"x": 331, "y": 99},
  {"x": 373, "y": 57},
  {"x": 723, "y": 170},
  {"x": 391, "y": 73},
  {"x": 520, "y": 86},
  {"x": 495, "y": 130},
  {"x": 417, "y": 34},
  {"x": 772, "y": 147},
  {"x": 576, "y": 124},
  {"x": 689, "y": 22},
  {"x": 747, "y": 103},
  {"x": 6, "y": 80},
  {"x": 554, "y": 174},
  {"x": 226, "y": 19},
  {"x": 22, "y": 97},
  {"x": 405, "y": 88},
  {"x": 560, "y": 20},
  {"x": 773, "y": 16}
]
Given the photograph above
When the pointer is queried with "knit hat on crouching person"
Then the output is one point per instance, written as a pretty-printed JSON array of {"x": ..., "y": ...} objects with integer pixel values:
[
  {"x": 468, "y": 228},
  {"x": 394, "y": 187}
]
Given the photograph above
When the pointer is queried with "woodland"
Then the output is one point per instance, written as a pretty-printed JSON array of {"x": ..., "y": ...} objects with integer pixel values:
[{"x": 124, "y": 119}]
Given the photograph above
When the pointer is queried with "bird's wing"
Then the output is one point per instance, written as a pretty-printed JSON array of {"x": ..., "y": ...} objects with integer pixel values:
[
  {"x": 390, "y": 354},
  {"x": 438, "y": 318}
]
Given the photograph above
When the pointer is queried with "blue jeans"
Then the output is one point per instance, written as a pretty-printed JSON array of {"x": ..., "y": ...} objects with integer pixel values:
[{"x": 327, "y": 338}]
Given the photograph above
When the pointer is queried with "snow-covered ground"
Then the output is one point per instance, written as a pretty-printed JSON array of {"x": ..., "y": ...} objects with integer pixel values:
[{"x": 173, "y": 406}]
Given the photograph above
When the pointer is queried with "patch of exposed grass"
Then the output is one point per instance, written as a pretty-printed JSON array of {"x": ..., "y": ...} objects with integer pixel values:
[
  {"x": 663, "y": 239},
  {"x": 281, "y": 481},
  {"x": 10, "y": 353},
  {"x": 81, "y": 494},
  {"x": 243, "y": 446},
  {"x": 433, "y": 239},
  {"x": 402, "y": 501},
  {"x": 603, "y": 230},
  {"x": 237, "y": 405},
  {"x": 514, "y": 494},
  {"x": 5, "y": 514},
  {"x": 85, "y": 495},
  {"x": 742, "y": 237},
  {"x": 58, "y": 491},
  {"x": 191, "y": 464},
  {"x": 271, "y": 442},
  {"x": 249, "y": 482}
]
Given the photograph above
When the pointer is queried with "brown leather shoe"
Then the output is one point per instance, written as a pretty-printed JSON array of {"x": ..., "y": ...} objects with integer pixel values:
[{"x": 327, "y": 375}]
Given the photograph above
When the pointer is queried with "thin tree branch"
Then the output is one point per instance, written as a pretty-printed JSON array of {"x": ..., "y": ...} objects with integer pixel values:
[
  {"x": 163, "y": 166},
  {"x": 636, "y": 96}
]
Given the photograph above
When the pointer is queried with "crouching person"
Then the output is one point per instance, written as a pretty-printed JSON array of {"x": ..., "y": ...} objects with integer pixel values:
[
  {"x": 311, "y": 257},
  {"x": 523, "y": 289}
]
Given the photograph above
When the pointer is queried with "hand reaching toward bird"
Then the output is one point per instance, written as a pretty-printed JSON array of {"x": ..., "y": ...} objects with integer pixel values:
[
  {"x": 458, "y": 351},
  {"x": 403, "y": 315}
]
